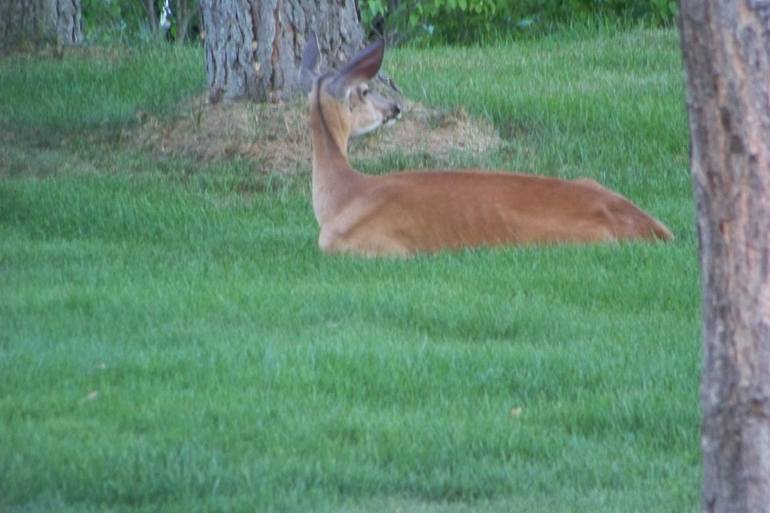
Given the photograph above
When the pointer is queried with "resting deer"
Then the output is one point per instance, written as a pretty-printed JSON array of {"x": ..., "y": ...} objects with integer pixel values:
[{"x": 426, "y": 211}]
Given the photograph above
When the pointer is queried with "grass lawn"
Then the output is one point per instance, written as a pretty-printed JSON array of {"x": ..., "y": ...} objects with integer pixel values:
[{"x": 169, "y": 343}]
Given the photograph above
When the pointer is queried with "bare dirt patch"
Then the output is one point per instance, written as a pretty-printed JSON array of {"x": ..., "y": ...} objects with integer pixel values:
[{"x": 277, "y": 138}]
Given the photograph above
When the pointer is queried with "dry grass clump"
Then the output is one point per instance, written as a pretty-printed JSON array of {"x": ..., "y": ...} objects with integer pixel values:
[{"x": 277, "y": 138}]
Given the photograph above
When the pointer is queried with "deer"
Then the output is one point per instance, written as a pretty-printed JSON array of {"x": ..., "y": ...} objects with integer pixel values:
[{"x": 426, "y": 211}]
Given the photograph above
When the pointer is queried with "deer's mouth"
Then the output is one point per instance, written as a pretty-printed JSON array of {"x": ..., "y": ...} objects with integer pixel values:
[{"x": 392, "y": 115}]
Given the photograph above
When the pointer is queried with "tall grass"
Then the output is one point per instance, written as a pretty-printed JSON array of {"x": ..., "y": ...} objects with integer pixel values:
[{"x": 170, "y": 344}]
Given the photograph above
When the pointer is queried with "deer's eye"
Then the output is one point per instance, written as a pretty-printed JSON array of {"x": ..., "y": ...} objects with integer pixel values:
[{"x": 365, "y": 93}]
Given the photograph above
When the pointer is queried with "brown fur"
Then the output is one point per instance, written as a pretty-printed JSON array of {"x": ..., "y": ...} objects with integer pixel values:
[{"x": 425, "y": 211}]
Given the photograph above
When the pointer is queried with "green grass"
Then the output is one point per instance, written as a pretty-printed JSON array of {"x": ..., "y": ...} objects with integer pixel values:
[
  {"x": 169, "y": 343},
  {"x": 95, "y": 89}
]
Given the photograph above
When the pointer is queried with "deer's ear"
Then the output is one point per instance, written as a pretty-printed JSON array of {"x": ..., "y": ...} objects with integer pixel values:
[
  {"x": 311, "y": 61},
  {"x": 362, "y": 67}
]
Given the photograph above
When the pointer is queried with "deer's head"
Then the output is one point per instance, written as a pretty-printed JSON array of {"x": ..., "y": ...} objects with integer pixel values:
[{"x": 348, "y": 103}]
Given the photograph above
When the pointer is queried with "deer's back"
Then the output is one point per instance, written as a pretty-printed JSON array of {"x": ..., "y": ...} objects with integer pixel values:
[{"x": 433, "y": 210}]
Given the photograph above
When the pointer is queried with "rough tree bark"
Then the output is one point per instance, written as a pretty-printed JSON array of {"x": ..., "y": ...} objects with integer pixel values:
[
  {"x": 253, "y": 47},
  {"x": 726, "y": 46},
  {"x": 38, "y": 22}
]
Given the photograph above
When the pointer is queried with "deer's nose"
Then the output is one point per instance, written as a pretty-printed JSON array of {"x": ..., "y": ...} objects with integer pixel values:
[{"x": 395, "y": 112}]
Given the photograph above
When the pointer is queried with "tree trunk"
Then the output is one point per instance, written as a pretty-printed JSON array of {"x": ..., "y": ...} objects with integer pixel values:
[
  {"x": 253, "y": 47},
  {"x": 152, "y": 16},
  {"x": 726, "y": 48},
  {"x": 185, "y": 13},
  {"x": 39, "y": 22}
]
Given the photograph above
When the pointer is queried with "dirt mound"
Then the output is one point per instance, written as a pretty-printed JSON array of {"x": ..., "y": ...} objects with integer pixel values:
[{"x": 277, "y": 138}]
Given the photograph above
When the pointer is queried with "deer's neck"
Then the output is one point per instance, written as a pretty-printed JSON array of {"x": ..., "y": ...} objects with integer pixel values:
[{"x": 334, "y": 181}]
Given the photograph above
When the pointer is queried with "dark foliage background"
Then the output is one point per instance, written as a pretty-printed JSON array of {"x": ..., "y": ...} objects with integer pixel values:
[
  {"x": 471, "y": 21},
  {"x": 423, "y": 22}
]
